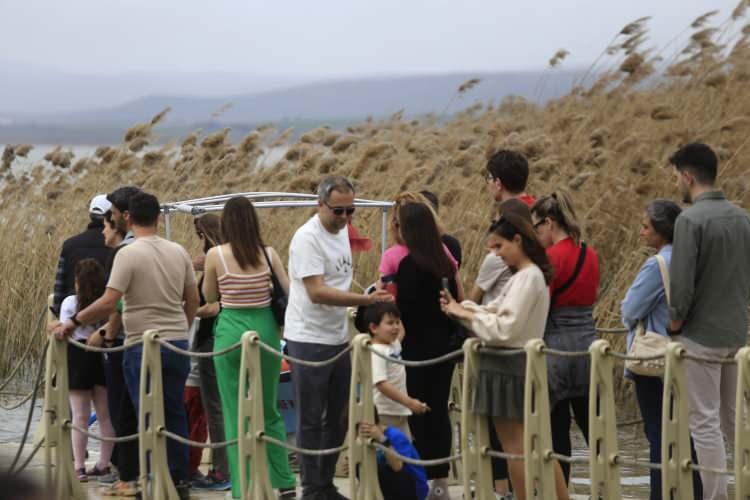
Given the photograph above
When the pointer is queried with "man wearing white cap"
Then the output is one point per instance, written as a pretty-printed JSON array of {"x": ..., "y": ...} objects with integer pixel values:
[{"x": 88, "y": 244}]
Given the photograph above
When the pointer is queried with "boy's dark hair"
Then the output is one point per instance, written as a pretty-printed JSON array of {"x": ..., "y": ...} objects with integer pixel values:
[
  {"x": 510, "y": 168},
  {"x": 120, "y": 197},
  {"x": 432, "y": 198},
  {"x": 699, "y": 160},
  {"x": 144, "y": 209},
  {"x": 375, "y": 313}
]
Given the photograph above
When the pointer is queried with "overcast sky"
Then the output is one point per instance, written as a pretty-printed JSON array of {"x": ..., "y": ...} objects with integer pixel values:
[{"x": 325, "y": 38}]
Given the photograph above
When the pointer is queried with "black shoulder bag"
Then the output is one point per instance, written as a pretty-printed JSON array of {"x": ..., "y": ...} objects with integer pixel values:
[
  {"x": 279, "y": 299},
  {"x": 576, "y": 272}
]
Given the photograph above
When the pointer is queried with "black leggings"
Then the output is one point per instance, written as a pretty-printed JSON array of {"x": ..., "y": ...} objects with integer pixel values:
[
  {"x": 560, "y": 418},
  {"x": 432, "y": 430}
]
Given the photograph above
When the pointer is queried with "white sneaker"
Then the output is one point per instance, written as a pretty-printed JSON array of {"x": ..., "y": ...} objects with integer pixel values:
[{"x": 439, "y": 490}]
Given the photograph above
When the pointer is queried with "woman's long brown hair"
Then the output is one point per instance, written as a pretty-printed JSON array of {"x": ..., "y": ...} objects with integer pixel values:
[
  {"x": 511, "y": 224},
  {"x": 240, "y": 228},
  {"x": 209, "y": 225},
  {"x": 421, "y": 236},
  {"x": 402, "y": 199},
  {"x": 91, "y": 282}
]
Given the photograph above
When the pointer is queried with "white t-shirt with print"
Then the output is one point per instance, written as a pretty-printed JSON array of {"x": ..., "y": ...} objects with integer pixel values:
[
  {"x": 393, "y": 373},
  {"x": 68, "y": 309},
  {"x": 316, "y": 252}
]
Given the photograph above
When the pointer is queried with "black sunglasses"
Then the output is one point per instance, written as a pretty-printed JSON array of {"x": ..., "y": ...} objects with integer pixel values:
[
  {"x": 339, "y": 211},
  {"x": 540, "y": 223}
]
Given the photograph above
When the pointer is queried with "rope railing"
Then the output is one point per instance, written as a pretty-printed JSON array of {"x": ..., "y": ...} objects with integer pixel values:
[
  {"x": 302, "y": 451},
  {"x": 196, "y": 444},
  {"x": 104, "y": 350},
  {"x": 67, "y": 424},
  {"x": 417, "y": 364},
  {"x": 501, "y": 454},
  {"x": 565, "y": 354},
  {"x": 637, "y": 463},
  {"x": 304, "y": 362},
  {"x": 603, "y": 460},
  {"x": 494, "y": 351},
  {"x": 193, "y": 354},
  {"x": 413, "y": 461}
]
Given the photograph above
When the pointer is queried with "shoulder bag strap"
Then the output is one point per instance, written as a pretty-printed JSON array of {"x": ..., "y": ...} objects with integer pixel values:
[
  {"x": 576, "y": 272},
  {"x": 664, "y": 275}
]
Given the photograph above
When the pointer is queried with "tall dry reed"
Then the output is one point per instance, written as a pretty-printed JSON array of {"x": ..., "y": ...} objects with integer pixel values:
[{"x": 607, "y": 143}]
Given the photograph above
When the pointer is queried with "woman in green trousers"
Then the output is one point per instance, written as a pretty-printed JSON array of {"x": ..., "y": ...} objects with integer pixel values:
[{"x": 238, "y": 273}]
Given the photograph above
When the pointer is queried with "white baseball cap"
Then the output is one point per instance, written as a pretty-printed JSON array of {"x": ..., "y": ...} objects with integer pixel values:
[{"x": 100, "y": 205}]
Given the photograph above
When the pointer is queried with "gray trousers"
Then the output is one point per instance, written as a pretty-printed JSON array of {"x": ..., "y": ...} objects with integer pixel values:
[
  {"x": 711, "y": 394},
  {"x": 322, "y": 396},
  {"x": 212, "y": 405}
]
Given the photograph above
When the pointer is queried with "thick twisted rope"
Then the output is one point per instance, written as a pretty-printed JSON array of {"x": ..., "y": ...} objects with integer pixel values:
[
  {"x": 491, "y": 351},
  {"x": 27, "y": 427},
  {"x": 67, "y": 424},
  {"x": 91, "y": 348},
  {"x": 564, "y": 354},
  {"x": 194, "y": 354},
  {"x": 23, "y": 401},
  {"x": 196, "y": 444},
  {"x": 427, "y": 362},
  {"x": 25, "y": 355},
  {"x": 302, "y": 451},
  {"x": 303, "y": 362},
  {"x": 636, "y": 463},
  {"x": 501, "y": 454},
  {"x": 413, "y": 461}
]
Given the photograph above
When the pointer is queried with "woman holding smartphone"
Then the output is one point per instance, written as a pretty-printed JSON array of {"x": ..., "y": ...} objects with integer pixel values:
[{"x": 420, "y": 263}]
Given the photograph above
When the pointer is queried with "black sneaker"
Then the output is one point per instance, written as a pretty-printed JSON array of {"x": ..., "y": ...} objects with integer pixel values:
[{"x": 183, "y": 491}]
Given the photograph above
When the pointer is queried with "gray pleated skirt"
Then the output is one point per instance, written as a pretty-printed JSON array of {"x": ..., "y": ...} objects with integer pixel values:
[{"x": 500, "y": 387}]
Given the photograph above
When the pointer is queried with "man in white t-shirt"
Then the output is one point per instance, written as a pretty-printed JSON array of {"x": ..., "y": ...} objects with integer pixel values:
[{"x": 320, "y": 273}]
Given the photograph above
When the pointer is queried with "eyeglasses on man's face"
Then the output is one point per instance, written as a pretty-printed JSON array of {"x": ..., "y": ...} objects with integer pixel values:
[
  {"x": 487, "y": 176},
  {"x": 539, "y": 223},
  {"x": 339, "y": 211}
]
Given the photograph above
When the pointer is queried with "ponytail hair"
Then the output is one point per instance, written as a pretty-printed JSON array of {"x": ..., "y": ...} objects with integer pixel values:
[{"x": 558, "y": 206}]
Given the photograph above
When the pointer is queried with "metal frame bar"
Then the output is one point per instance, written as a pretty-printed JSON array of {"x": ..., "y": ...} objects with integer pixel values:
[{"x": 260, "y": 199}]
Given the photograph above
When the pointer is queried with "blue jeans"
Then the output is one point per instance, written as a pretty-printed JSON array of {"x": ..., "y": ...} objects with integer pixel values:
[
  {"x": 174, "y": 371},
  {"x": 650, "y": 391}
]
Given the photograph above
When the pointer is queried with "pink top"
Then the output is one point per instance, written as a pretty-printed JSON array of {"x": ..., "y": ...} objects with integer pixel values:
[{"x": 394, "y": 255}]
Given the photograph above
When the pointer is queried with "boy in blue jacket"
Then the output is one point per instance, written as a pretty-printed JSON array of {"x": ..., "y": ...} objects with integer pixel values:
[{"x": 398, "y": 480}]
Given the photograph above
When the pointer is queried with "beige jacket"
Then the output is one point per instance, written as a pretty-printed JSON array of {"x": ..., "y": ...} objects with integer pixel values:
[{"x": 517, "y": 315}]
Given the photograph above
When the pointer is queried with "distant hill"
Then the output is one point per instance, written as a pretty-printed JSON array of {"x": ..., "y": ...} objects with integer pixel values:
[{"x": 332, "y": 102}]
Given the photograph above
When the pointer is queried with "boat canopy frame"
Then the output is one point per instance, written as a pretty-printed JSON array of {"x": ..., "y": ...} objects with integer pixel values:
[{"x": 267, "y": 199}]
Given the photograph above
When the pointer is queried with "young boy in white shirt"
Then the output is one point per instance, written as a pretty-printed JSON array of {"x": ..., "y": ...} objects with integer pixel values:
[{"x": 391, "y": 400}]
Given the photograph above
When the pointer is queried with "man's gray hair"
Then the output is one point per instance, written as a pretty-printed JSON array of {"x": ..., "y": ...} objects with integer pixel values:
[{"x": 331, "y": 184}]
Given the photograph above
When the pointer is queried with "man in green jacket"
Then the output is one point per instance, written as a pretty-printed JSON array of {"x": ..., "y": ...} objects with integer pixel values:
[{"x": 710, "y": 292}]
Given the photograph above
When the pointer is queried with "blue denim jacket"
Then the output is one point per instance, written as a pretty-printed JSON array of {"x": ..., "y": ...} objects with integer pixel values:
[{"x": 645, "y": 299}]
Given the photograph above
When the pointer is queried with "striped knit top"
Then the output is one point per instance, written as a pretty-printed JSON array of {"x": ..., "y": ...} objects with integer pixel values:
[{"x": 243, "y": 290}]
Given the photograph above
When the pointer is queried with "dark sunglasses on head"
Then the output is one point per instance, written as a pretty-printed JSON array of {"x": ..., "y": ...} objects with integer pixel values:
[{"x": 339, "y": 211}]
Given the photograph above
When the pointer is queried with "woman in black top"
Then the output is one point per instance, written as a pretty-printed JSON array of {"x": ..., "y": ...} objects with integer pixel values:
[
  {"x": 419, "y": 262},
  {"x": 208, "y": 229}
]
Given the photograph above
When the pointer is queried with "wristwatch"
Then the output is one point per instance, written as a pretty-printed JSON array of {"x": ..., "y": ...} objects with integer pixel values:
[
  {"x": 74, "y": 319},
  {"x": 386, "y": 443}
]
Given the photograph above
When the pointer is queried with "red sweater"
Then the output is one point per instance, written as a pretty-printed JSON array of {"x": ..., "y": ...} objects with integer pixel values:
[{"x": 563, "y": 256}]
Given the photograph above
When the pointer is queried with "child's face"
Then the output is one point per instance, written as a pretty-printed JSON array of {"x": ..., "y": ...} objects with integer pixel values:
[{"x": 387, "y": 330}]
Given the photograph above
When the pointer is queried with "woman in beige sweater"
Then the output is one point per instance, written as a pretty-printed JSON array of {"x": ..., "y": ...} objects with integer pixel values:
[{"x": 516, "y": 316}]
